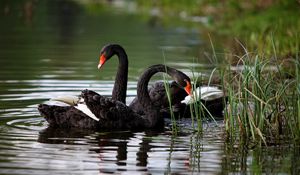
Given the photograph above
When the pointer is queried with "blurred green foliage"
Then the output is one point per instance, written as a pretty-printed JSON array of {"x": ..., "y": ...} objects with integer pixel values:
[{"x": 257, "y": 24}]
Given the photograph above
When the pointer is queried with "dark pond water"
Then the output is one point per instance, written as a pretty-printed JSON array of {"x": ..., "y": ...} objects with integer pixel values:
[{"x": 50, "y": 48}]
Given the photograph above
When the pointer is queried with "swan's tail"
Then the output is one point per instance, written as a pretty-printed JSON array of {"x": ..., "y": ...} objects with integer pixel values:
[{"x": 53, "y": 114}]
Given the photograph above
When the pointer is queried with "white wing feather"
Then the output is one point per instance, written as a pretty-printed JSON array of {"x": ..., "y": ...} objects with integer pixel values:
[
  {"x": 71, "y": 100},
  {"x": 83, "y": 108}
]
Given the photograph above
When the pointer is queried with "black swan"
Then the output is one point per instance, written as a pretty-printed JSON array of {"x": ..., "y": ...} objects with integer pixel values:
[{"x": 112, "y": 114}]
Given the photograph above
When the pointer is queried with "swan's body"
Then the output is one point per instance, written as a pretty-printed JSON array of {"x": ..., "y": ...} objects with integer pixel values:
[{"x": 111, "y": 113}]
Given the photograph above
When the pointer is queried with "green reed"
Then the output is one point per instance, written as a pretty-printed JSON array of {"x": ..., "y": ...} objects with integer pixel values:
[
  {"x": 196, "y": 109},
  {"x": 173, "y": 118},
  {"x": 262, "y": 104},
  {"x": 166, "y": 85},
  {"x": 297, "y": 106},
  {"x": 295, "y": 102}
]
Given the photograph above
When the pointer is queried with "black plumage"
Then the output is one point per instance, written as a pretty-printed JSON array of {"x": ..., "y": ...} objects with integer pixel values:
[{"x": 115, "y": 114}]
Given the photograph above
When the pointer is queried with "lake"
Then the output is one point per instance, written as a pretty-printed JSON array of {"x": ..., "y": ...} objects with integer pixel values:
[{"x": 51, "y": 48}]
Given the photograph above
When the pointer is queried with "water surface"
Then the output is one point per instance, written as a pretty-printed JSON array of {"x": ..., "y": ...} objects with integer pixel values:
[{"x": 51, "y": 48}]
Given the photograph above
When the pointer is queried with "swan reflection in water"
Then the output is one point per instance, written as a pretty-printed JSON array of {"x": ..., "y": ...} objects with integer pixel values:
[{"x": 116, "y": 150}]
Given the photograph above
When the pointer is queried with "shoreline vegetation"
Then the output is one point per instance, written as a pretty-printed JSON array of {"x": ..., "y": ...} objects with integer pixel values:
[{"x": 263, "y": 99}]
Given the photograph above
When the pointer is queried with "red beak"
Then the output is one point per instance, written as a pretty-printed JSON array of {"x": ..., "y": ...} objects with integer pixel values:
[
  {"x": 102, "y": 60},
  {"x": 188, "y": 87}
]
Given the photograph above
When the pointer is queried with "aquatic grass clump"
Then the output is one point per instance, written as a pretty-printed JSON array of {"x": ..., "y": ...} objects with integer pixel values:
[{"x": 262, "y": 103}]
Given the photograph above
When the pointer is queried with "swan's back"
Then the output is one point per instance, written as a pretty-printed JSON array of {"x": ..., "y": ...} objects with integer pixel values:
[
  {"x": 66, "y": 117},
  {"x": 112, "y": 113}
]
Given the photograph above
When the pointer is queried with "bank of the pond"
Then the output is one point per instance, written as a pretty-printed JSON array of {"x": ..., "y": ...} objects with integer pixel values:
[
  {"x": 260, "y": 26},
  {"x": 255, "y": 23}
]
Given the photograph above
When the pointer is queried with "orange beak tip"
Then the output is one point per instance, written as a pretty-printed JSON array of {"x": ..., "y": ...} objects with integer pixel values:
[{"x": 99, "y": 66}]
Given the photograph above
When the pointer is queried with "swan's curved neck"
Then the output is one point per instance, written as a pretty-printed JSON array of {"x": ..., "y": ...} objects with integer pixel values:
[
  {"x": 120, "y": 86},
  {"x": 142, "y": 86},
  {"x": 151, "y": 111}
]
